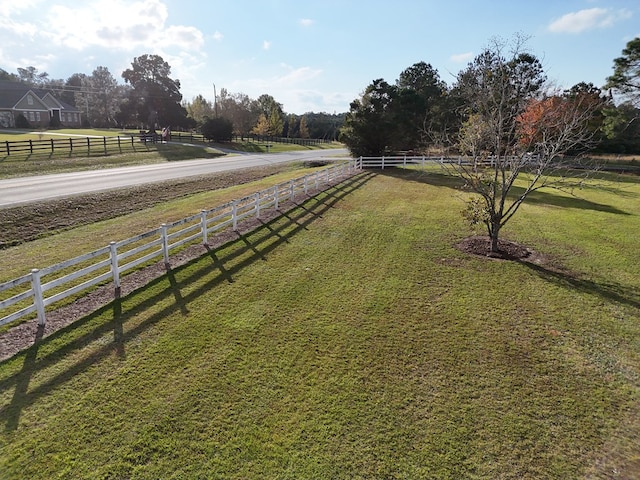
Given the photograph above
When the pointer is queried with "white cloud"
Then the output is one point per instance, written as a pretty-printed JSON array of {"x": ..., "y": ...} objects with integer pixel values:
[
  {"x": 292, "y": 78},
  {"x": 588, "y": 19},
  {"x": 306, "y": 22},
  {"x": 461, "y": 57},
  {"x": 266, "y": 45},
  {"x": 12, "y": 7},
  {"x": 297, "y": 76},
  {"x": 119, "y": 25},
  {"x": 218, "y": 36},
  {"x": 9, "y": 25},
  {"x": 13, "y": 27}
]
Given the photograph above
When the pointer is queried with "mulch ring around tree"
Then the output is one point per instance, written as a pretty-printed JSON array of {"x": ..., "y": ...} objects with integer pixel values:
[{"x": 481, "y": 246}]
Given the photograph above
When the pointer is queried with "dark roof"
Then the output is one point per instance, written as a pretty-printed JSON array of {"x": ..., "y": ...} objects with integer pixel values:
[{"x": 12, "y": 92}]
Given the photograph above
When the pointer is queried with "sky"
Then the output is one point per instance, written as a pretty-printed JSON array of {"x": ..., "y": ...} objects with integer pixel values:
[{"x": 311, "y": 55}]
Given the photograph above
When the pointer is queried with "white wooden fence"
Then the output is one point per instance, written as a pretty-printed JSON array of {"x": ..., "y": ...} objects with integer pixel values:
[
  {"x": 422, "y": 161},
  {"x": 397, "y": 161},
  {"x": 42, "y": 288}
]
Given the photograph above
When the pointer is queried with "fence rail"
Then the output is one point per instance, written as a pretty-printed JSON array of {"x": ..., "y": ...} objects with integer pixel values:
[
  {"x": 395, "y": 161},
  {"x": 43, "y": 288},
  {"x": 68, "y": 145},
  {"x": 105, "y": 144},
  {"x": 405, "y": 160}
]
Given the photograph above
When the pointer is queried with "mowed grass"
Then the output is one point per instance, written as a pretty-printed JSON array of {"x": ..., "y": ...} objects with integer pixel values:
[{"x": 351, "y": 339}]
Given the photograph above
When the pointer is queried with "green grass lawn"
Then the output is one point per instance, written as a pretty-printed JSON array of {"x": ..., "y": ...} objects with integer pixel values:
[{"x": 350, "y": 339}]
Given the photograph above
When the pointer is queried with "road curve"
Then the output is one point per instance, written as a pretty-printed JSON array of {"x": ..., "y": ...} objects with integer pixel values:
[{"x": 16, "y": 191}]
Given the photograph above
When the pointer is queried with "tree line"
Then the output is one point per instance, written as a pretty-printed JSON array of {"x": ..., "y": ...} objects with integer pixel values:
[
  {"x": 420, "y": 113},
  {"x": 150, "y": 98}
]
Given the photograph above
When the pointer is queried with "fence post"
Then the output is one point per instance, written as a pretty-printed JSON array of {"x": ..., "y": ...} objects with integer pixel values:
[
  {"x": 292, "y": 190},
  {"x": 305, "y": 185},
  {"x": 165, "y": 243},
  {"x": 115, "y": 270},
  {"x": 88, "y": 145},
  {"x": 203, "y": 226},
  {"x": 30, "y": 146},
  {"x": 276, "y": 192},
  {"x": 257, "y": 197},
  {"x": 38, "y": 301},
  {"x": 383, "y": 162},
  {"x": 234, "y": 215},
  {"x": 104, "y": 143}
]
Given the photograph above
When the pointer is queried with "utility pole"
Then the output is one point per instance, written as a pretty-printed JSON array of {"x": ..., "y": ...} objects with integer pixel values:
[{"x": 215, "y": 100}]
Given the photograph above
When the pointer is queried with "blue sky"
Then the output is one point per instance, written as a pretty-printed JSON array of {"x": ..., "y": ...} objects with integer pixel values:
[{"x": 310, "y": 55}]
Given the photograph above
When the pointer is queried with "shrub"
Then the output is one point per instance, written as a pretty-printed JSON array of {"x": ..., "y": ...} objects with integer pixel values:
[
  {"x": 22, "y": 122},
  {"x": 217, "y": 129}
]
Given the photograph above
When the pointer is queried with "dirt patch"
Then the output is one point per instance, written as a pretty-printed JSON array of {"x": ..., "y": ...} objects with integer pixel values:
[{"x": 481, "y": 246}]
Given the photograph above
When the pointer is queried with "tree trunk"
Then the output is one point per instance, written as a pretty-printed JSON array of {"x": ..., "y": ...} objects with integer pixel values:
[{"x": 495, "y": 230}]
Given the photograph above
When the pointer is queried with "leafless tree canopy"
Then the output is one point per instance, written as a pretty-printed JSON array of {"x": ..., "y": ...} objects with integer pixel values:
[{"x": 517, "y": 129}]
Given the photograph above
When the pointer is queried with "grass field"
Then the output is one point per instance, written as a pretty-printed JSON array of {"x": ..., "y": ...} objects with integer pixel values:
[{"x": 350, "y": 339}]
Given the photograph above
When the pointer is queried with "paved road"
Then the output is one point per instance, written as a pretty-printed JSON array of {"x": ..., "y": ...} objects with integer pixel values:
[{"x": 38, "y": 188}]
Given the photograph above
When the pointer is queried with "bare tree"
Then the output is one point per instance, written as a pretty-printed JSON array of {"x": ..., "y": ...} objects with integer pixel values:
[{"x": 517, "y": 131}]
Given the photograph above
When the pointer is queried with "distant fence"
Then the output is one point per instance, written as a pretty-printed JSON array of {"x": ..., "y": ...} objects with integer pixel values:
[
  {"x": 422, "y": 161},
  {"x": 286, "y": 140},
  {"x": 196, "y": 137},
  {"x": 42, "y": 288},
  {"x": 105, "y": 144},
  {"x": 398, "y": 161},
  {"x": 68, "y": 145}
]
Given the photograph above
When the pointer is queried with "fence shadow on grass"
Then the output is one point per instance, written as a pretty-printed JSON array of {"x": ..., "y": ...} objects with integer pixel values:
[
  {"x": 431, "y": 175},
  {"x": 217, "y": 265},
  {"x": 442, "y": 179}
]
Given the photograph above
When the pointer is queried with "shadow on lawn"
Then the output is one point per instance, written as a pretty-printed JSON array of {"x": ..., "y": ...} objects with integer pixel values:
[
  {"x": 443, "y": 179},
  {"x": 217, "y": 264},
  {"x": 612, "y": 292}
]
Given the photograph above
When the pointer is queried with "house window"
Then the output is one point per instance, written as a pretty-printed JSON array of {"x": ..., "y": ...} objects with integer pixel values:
[
  {"x": 38, "y": 116},
  {"x": 29, "y": 99},
  {"x": 32, "y": 116}
]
